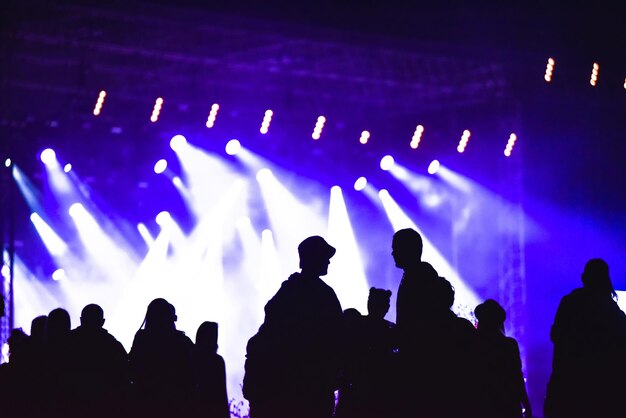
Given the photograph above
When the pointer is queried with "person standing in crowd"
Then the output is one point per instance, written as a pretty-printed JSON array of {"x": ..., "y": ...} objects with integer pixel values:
[
  {"x": 292, "y": 362},
  {"x": 502, "y": 389},
  {"x": 211, "y": 394},
  {"x": 589, "y": 337}
]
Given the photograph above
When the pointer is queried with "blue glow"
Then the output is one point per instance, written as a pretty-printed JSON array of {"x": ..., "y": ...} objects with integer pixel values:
[{"x": 67, "y": 168}]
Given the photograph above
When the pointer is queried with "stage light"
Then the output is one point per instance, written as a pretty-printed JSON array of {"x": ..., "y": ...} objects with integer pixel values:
[
  {"x": 319, "y": 125},
  {"x": 263, "y": 174},
  {"x": 7, "y": 162},
  {"x": 433, "y": 167},
  {"x": 387, "y": 162},
  {"x": 417, "y": 136},
  {"x": 360, "y": 184},
  {"x": 625, "y": 84},
  {"x": 510, "y": 144},
  {"x": 549, "y": 70},
  {"x": 365, "y": 136},
  {"x": 59, "y": 274},
  {"x": 232, "y": 147},
  {"x": 594, "y": 74},
  {"x": 267, "y": 119},
  {"x": 54, "y": 244},
  {"x": 177, "y": 181},
  {"x": 210, "y": 122},
  {"x": 383, "y": 193},
  {"x": 156, "y": 110},
  {"x": 76, "y": 209},
  {"x": 5, "y": 271},
  {"x": 67, "y": 168},
  {"x": 163, "y": 218},
  {"x": 48, "y": 156},
  {"x": 463, "y": 142},
  {"x": 160, "y": 166},
  {"x": 99, "y": 103},
  {"x": 178, "y": 142}
]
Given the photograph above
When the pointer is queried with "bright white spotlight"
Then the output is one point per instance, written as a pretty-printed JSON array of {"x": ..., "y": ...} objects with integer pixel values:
[
  {"x": 163, "y": 218},
  {"x": 263, "y": 175},
  {"x": 76, "y": 209},
  {"x": 360, "y": 184},
  {"x": 178, "y": 142},
  {"x": 177, "y": 181},
  {"x": 232, "y": 147},
  {"x": 5, "y": 271},
  {"x": 48, "y": 156},
  {"x": 433, "y": 167},
  {"x": 383, "y": 193},
  {"x": 160, "y": 166},
  {"x": 387, "y": 162},
  {"x": 59, "y": 274},
  {"x": 67, "y": 168},
  {"x": 7, "y": 162},
  {"x": 335, "y": 189}
]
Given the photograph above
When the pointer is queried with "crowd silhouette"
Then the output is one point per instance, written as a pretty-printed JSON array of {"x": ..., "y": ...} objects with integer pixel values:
[{"x": 312, "y": 359}]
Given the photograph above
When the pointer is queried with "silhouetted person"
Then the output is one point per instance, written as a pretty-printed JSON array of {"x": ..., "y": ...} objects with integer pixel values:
[
  {"x": 500, "y": 378},
  {"x": 292, "y": 362},
  {"x": 352, "y": 352},
  {"x": 97, "y": 367},
  {"x": 212, "y": 398},
  {"x": 589, "y": 337},
  {"x": 161, "y": 364},
  {"x": 15, "y": 378},
  {"x": 57, "y": 358}
]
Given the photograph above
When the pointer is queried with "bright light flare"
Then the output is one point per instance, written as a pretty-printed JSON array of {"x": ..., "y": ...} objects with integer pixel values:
[
  {"x": 464, "y": 140},
  {"x": 178, "y": 142},
  {"x": 67, "y": 168},
  {"x": 59, "y": 274},
  {"x": 233, "y": 147},
  {"x": 7, "y": 162},
  {"x": 264, "y": 174},
  {"x": 160, "y": 166},
  {"x": 360, "y": 184},
  {"x": 145, "y": 234},
  {"x": 319, "y": 125},
  {"x": 549, "y": 70},
  {"x": 98, "y": 108},
  {"x": 433, "y": 167},
  {"x": 48, "y": 156},
  {"x": 365, "y": 136},
  {"x": 163, "y": 218},
  {"x": 267, "y": 119},
  {"x": 594, "y": 74},
  {"x": 156, "y": 110},
  {"x": 510, "y": 144},
  {"x": 210, "y": 122},
  {"x": 417, "y": 136},
  {"x": 387, "y": 163}
]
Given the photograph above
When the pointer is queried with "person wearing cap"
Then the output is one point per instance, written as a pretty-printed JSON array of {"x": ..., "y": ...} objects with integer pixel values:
[
  {"x": 589, "y": 338},
  {"x": 292, "y": 362}
]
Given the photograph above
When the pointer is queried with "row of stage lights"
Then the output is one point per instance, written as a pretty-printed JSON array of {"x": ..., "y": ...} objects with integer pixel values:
[
  {"x": 387, "y": 163},
  {"x": 593, "y": 80},
  {"x": 317, "y": 130}
]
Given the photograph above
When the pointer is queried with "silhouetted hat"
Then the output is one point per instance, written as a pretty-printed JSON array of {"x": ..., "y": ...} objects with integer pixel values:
[{"x": 315, "y": 247}]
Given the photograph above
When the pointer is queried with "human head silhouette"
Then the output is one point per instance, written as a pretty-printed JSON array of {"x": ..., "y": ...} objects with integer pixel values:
[
  {"x": 444, "y": 293},
  {"x": 160, "y": 316},
  {"x": 490, "y": 316},
  {"x": 38, "y": 328},
  {"x": 378, "y": 302},
  {"x": 406, "y": 248},
  {"x": 59, "y": 324},
  {"x": 206, "y": 336},
  {"x": 596, "y": 277},
  {"x": 315, "y": 254},
  {"x": 92, "y": 317}
]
